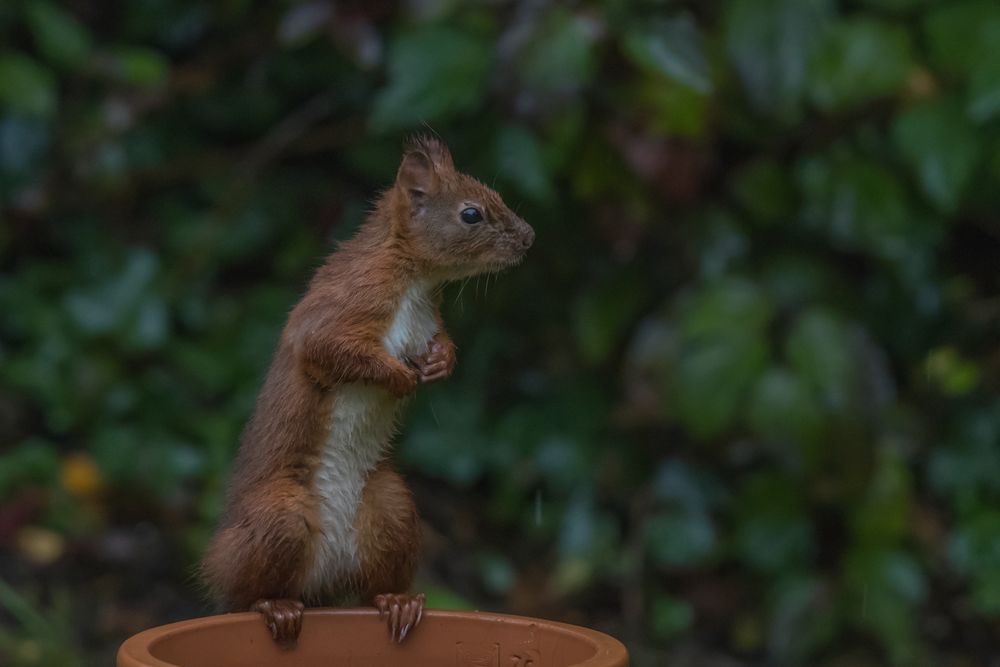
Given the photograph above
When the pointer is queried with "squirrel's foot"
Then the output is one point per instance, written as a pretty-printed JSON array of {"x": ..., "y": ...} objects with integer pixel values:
[
  {"x": 283, "y": 619},
  {"x": 401, "y": 612}
]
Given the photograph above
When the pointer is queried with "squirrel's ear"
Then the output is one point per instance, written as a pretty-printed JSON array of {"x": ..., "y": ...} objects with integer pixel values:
[
  {"x": 416, "y": 175},
  {"x": 434, "y": 148},
  {"x": 438, "y": 152}
]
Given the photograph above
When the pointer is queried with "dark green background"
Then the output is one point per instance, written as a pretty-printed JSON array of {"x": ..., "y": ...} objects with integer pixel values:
[{"x": 739, "y": 406}]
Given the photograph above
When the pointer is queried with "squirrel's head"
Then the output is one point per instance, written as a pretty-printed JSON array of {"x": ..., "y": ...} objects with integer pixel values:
[{"x": 454, "y": 224}]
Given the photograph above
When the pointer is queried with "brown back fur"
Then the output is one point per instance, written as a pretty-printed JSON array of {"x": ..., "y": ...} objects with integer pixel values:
[{"x": 333, "y": 336}]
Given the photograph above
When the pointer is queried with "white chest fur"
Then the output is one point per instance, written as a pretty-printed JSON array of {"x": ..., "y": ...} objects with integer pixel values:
[
  {"x": 415, "y": 323},
  {"x": 361, "y": 424}
]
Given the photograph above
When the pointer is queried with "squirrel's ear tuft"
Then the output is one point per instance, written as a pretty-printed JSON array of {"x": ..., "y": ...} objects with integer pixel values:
[
  {"x": 416, "y": 175},
  {"x": 432, "y": 146}
]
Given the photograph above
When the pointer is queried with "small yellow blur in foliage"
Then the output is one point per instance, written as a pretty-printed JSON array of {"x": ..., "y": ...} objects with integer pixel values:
[
  {"x": 39, "y": 546},
  {"x": 29, "y": 651},
  {"x": 81, "y": 476},
  {"x": 951, "y": 373}
]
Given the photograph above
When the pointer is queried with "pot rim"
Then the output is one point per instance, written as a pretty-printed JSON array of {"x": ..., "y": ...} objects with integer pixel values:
[{"x": 609, "y": 652}]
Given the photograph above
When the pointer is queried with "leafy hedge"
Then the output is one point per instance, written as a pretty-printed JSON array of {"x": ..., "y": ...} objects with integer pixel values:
[{"x": 742, "y": 394}]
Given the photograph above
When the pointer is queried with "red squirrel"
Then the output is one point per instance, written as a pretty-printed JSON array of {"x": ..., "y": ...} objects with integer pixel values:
[{"x": 314, "y": 513}]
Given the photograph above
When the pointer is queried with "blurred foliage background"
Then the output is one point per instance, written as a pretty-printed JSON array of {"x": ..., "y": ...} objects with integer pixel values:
[{"x": 739, "y": 407}]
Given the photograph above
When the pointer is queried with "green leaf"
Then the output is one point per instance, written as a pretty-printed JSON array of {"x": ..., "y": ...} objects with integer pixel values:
[
  {"x": 434, "y": 72},
  {"x": 672, "y": 47},
  {"x": 783, "y": 410},
  {"x": 59, "y": 36},
  {"x": 150, "y": 324},
  {"x": 962, "y": 35},
  {"x": 439, "y": 597},
  {"x": 588, "y": 532},
  {"x": 599, "y": 171},
  {"x": 674, "y": 108},
  {"x": 31, "y": 462},
  {"x": 454, "y": 454},
  {"x": 520, "y": 160},
  {"x": 24, "y": 144},
  {"x": 769, "y": 43},
  {"x": 723, "y": 349},
  {"x": 894, "y": 5},
  {"x": 561, "y": 460},
  {"x": 147, "y": 460},
  {"x": 713, "y": 378},
  {"x": 861, "y": 205},
  {"x": 860, "y": 59},
  {"x": 496, "y": 572},
  {"x": 721, "y": 243},
  {"x": 885, "y": 586},
  {"x": 715, "y": 310},
  {"x": 140, "y": 66},
  {"x": 883, "y": 515},
  {"x": 677, "y": 82},
  {"x": 967, "y": 469},
  {"x": 942, "y": 149},
  {"x": 119, "y": 301},
  {"x": 765, "y": 191},
  {"x": 793, "y": 280},
  {"x": 680, "y": 538},
  {"x": 680, "y": 484},
  {"x": 821, "y": 349},
  {"x": 26, "y": 86},
  {"x": 974, "y": 551},
  {"x": 670, "y": 617},
  {"x": 603, "y": 314},
  {"x": 984, "y": 90},
  {"x": 558, "y": 56},
  {"x": 773, "y": 532},
  {"x": 803, "y": 618},
  {"x": 949, "y": 372},
  {"x": 588, "y": 541}
]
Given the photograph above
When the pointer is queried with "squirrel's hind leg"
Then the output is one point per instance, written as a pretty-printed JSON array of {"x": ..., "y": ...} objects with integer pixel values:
[
  {"x": 260, "y": 561},
  {"x": 388, "y": 531}
]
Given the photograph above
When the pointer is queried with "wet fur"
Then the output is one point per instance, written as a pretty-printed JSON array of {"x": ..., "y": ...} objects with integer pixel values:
[{"x": 313, "y": 511}]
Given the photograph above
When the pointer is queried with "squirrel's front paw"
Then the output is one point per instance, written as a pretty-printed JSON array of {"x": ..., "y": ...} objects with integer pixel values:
[
  {"x": 438, "y": 363},
  {"x": 403, "y": 381}
]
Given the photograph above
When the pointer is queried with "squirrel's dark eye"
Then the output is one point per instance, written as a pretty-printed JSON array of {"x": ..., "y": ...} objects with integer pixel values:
[{"x": 471, "y": 216}]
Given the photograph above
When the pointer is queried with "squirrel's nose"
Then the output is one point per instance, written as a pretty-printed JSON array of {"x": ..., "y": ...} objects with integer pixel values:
[{"x": 528, "y": 237}]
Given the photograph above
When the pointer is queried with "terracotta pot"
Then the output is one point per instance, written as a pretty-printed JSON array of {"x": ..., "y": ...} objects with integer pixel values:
[{"x": 357, "y": 638}]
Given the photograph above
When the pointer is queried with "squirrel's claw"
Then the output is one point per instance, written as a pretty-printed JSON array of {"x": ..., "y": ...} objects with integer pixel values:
[
  {"x": 401, "y": 612},
  {"x": 283, "y": 619}
]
